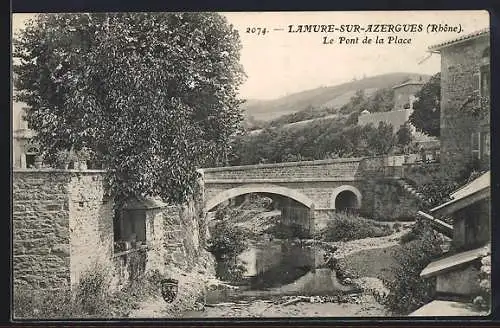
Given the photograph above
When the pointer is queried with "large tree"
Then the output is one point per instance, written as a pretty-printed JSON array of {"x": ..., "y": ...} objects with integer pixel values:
[
  {"x": 426, "y": 114},
  {"x": 153, "y": 95}
]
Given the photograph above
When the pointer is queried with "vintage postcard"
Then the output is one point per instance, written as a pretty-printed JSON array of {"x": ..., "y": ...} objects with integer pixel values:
[{"x": 251, "y": 165}]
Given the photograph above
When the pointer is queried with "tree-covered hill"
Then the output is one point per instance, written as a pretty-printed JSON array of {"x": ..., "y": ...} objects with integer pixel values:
[{"x": 333, "y": 97}]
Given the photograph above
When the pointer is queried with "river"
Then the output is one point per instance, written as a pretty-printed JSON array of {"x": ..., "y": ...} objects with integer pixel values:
[{"x": 282, "y": 279}]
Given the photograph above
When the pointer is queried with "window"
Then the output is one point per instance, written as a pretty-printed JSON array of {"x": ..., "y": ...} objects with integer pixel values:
[
  {"x": 475, "y": 145},
  {"x": 485, "y": 144},
  {"x": 485, "y": 81},
  {"x": 480, "y": 145}
]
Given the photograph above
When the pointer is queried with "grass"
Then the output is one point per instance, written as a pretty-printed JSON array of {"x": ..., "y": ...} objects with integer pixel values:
[
  {"x": 347, "y": 226},
  {"x": 91, "y": 298}
]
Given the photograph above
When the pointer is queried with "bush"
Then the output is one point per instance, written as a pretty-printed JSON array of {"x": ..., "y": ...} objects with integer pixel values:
[
  {"x": 417, "y": 230},
  {"x": 408, "y": 291},
  {"x": 227, "y": 241},
  {"x": 43, "y": 304},
  {"x": 345, "y": 227},
  {"x": 92, "y": 298}
]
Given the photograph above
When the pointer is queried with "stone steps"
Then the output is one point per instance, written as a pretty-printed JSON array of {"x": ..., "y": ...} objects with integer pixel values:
[{"x": 411, "y": 190}]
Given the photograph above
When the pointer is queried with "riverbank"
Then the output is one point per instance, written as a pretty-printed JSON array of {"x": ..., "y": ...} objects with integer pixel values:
[
  {"x": 370, "y": 258},
  {"x": 356, "y": 306}
]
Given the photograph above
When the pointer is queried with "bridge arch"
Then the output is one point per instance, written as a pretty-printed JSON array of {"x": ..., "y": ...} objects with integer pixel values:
[
  {"x": 269, "y": 189},
  {"x": 344, "y": 197}
]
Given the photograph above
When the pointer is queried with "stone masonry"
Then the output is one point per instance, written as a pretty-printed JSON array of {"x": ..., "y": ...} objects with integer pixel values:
[
  {"x": 317, "y": 184},
  {"x": 62, "y": 224},
  {"x": 460, "y": 78}
]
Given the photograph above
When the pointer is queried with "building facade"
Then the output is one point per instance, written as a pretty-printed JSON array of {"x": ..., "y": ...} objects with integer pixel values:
[
  {"x": 404, "y": 97},
  {"x": 24, "y": 150},
  {"x": 465, "y": 94}
]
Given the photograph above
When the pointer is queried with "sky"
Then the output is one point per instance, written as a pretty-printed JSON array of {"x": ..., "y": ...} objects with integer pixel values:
[{"x": 278, "y": 62}]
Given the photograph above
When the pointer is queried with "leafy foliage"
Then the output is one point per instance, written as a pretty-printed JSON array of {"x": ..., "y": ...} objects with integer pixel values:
[
  {"x": 226, "y": 242},
  {"x": 153, "y": 95},
  {"x": 408, "y": 291},
  {"x": 403, "y": 135},
  {"x": 439, "y": 190},
  {"x": 426, "y": 114},
  {"x": 381, "y": 101},
  {"x": 320, "y": 139},
  {"x": 345, "y": 227}
]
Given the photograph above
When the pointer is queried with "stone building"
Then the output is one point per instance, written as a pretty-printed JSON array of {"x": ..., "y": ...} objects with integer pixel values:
[
  {"x": 458, "y": 273},
  {"x": 465, "y": 90},
  {"x": 24, "y": 151},
  {"x": 404, "y": 94}
]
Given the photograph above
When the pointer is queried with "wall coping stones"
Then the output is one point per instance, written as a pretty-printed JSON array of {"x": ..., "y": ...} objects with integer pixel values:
[
  {"x": 51, "y": 170},
  {"x": 287, "y": 180},
  {"x": 285, "y": 164}
]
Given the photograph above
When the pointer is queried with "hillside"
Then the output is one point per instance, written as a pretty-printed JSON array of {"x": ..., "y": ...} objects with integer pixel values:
[{"x": 323, "y": 97}]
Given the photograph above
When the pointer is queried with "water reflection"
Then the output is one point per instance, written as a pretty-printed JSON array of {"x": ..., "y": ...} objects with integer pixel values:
[{"x": 275, "y": 263}]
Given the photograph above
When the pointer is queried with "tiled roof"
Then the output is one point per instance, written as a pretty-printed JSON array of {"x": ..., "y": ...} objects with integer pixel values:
[
  {"x": 472, "y": 35},
  {"x": 448, "y": 263}
]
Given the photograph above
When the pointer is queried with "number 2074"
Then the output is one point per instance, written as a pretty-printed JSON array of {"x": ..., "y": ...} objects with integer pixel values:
[{"x": 256, "y": 30}]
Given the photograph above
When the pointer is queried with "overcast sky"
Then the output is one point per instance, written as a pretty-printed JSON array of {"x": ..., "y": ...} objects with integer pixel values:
[{"x": 280, "y": 63}]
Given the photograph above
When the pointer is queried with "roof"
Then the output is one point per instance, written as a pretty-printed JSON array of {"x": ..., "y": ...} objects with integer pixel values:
[
  {"x": 467, "y": 195},
  {"x": 408, "y": 83},
  {"x": 439, "y": 225},
  {"x": 483, "y": 181},
  {"x": 448, "y": 263},
  {"x": 470, "y": 36},
  {"x": 142, "y": 203},
  {"x": 441, "y": 308}
]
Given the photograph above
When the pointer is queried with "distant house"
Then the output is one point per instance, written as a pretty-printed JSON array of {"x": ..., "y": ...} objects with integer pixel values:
[
  {"x": 404, "y": 97},
  {"x": 457, "y": 273},
  {"x": 465, "y": 85},
  {"x": 404, "y": 94}
]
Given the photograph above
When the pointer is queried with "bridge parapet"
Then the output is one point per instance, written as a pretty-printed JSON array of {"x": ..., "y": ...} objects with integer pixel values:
[{"x": 320, "y": 169}]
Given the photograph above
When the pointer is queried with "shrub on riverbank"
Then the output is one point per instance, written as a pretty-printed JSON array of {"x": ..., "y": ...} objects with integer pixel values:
[
  {"x": 227, "y": 241},
  {"x": 408, "y": 291},
  {"x": 287, "y": 231},
  {"x": 346, "y": 226}
]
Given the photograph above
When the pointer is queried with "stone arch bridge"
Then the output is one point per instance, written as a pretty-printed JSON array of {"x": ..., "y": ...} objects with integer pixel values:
[{"x": 308, "y": 191}]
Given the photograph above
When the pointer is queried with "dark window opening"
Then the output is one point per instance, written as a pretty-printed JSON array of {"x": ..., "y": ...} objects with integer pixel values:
[
  {"x": 30, "y": 160},
  {"x": 130, "y": 231}
]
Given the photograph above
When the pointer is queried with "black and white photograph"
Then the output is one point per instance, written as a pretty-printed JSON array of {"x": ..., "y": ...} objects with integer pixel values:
[{"x": 235, "y": 165}]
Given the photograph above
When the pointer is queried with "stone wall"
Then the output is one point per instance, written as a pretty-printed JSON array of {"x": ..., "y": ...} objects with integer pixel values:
[
  {"x": 419, "y": 174},
  {"x": 61, "y": 224},
  {"x": 386, "y": 200},
  {"x": 464, "y": 281},
  {"x": 396, "y": 118},
  {"x": 460, "y": 76},
  {"x": 90, "y": 223}
]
